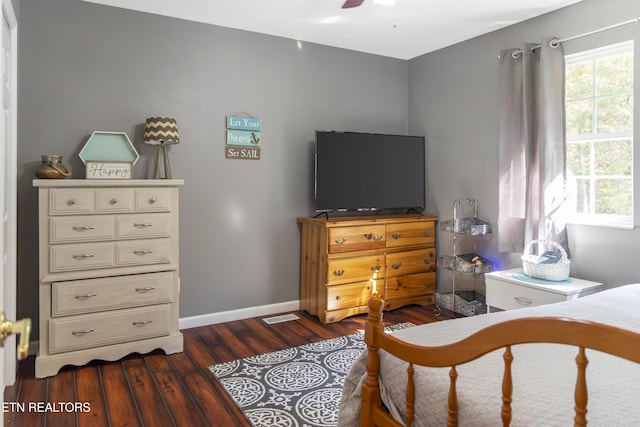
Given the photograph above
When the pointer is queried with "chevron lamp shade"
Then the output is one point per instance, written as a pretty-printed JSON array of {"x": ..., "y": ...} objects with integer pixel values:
[{"x": 161, "y": 130}]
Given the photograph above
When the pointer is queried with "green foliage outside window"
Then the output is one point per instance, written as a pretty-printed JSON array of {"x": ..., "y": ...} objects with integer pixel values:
[{"x": 599, "y": 127}]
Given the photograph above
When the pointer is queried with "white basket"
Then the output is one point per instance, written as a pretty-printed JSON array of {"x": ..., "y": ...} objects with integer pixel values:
[{"x": 556, "y": 272}]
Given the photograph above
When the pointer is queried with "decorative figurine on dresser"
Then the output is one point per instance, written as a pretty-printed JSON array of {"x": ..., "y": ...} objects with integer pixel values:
[{"x": 109, "y": 270}]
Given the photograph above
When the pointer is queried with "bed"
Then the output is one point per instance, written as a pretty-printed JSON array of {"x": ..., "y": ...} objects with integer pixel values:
[{"x": 533, "y": 368}]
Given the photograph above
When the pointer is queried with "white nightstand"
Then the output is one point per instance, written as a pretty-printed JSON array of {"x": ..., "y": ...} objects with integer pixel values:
[{"x": 510, "y": 289}]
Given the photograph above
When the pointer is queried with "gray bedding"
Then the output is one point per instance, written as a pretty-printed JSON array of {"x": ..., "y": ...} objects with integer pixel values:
[{"x": 543, "y": 374}]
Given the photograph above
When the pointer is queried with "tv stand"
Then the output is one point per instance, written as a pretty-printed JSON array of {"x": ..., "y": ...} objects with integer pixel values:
[{"x": 344, "y": 260}]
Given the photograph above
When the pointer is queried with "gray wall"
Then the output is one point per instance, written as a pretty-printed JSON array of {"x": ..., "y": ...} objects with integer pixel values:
[
  {"x": 453, "y": 100},
  {"x": 86, "y": 67}
]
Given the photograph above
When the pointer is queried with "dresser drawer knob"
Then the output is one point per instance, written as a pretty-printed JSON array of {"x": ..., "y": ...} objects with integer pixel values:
[
  {"x": 368, "y": 236},
  {"x": 83, "y": 256},
  {"x": 152, "y": 200},
  {"x": 377, "y": 238},
  {"x": 338, "y": 272},
  {"x": 142, "y": 322},
  {"x": 142, "y": 224},
  {"x": 396, "y": 236},
  {"x": 428, "y": 233},
  {"x": 113, "y": 201},
  {"x": 148, "y": 288},
  {"x": 83, "y": 228},
  {"x": 85, "y": 296},
  {"x": 341, "y": 240},
  {"x": 82, "y": 332},
  {"x": 376, "y": 268},
  {"x": 71, "y": 202},
  {"x": 396, "y": 265},
  {"x": 338, "y": 298},
  {"x": 428, "y": 260},
  {"x": 143, "y": 252}
]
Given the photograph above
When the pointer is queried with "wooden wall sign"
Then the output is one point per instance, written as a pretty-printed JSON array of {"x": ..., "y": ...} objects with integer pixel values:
[{"x": 243, "y": 138}]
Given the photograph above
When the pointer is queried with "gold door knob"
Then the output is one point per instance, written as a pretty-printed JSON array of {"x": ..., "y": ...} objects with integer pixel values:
[{"x": 21, "y": 327}]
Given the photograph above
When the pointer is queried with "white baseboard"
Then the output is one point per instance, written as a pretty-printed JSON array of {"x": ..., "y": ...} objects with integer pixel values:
[{"x": 243, "y": 313}]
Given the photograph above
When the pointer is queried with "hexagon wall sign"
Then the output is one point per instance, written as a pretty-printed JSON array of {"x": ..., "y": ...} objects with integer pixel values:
[{"x": 109, "y": 147}]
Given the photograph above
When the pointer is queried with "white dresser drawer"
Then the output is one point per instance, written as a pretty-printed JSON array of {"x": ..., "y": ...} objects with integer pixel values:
[
  {"x": 143, "y": 226},
  {"x": 72, "y": 229},
  {"x": 153, "y": 200},
  {"x": 80, "y": 256},
  {"x": 92, "y": 330},
  {"x": 92, "y": 295},
  {"x": 511, "y": 289},
  {"x": 509, "y": 296},
  {"x": 138, "y": 252},
  {"x": 114, "y": 200},
  {"x": 70, "y": 201}
]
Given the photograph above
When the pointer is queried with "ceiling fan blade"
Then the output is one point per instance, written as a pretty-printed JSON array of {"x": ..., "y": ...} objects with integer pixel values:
[{"x": 352, "y": 3}]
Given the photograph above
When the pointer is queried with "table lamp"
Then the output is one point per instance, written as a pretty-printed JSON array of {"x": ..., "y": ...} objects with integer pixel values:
[{"x": 161, "y": 131}]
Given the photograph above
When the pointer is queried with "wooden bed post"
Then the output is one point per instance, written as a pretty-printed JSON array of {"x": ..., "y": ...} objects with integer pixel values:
[
  {"x": 581, "y": 395},
  {"x": 371, "y": 387}
]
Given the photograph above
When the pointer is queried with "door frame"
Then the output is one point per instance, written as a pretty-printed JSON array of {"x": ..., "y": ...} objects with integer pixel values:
[{"x": 8, "y": 182}]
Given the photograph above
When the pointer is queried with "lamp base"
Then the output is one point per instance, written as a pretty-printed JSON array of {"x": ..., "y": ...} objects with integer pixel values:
[{"x": 164, "y": 153}]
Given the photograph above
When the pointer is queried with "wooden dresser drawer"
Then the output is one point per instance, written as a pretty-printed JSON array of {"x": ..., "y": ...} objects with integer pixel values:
[
  {"x": 92, "y": 330},
  {"x": 86, "y": 228},
  {"x": 345, "y": 270},
  {"x": 357, "y": 238},
  {"x": 114, "y": 200},
  {"x": 350, "y": 295},
  {"x": 143, "y": 226},
  {"x": 138, "y": 252},
  {"x": 80, "y": 256},
  {"x": 509, "y": 296},
  {"x": 153, "y": 200},
  {"x": 70, "y": 201},
  {"x": 410, "y": 285},
  {"x": 91, "y": 295},
  {"x": 416, "y": 261},
  {"x": 413, "y": 233}
]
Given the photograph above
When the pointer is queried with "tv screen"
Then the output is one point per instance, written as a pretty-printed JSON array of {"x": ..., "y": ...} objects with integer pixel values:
[{"x": 369, "y": 172}]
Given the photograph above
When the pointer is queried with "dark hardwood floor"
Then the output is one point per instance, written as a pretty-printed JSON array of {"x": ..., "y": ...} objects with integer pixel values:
[{"x": 157, "y": 390}]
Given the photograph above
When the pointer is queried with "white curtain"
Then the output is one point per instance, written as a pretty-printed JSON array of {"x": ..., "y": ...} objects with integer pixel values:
[{"x": 532, "y": 146}]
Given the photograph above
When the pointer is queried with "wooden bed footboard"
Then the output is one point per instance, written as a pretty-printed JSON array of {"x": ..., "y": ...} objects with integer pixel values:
[{"x": 578, "y": 333}]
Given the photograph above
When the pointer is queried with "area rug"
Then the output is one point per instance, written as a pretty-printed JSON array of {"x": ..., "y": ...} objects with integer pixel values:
[{"x": 296, "y": 387}]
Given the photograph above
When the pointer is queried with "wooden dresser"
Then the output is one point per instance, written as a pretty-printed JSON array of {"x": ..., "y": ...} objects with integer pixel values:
[
  {"x": 344, "y": 260},
  {"x": 109, "y": 270}
]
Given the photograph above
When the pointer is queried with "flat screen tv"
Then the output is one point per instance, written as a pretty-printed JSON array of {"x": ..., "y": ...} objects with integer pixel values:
[{"x": 368, "y": 172}]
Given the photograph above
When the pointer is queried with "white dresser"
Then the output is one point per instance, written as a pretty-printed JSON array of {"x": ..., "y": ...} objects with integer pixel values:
[
  {"x": 109, "y": 270},
  {"x": 510, "y": 289}
]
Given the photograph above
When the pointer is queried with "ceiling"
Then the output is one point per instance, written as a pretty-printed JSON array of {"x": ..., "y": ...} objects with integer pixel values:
[{"x": 403, "y": 29}]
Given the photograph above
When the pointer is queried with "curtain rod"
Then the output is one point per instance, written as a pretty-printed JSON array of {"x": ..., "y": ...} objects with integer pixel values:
[{"x": 599, "y": 30}]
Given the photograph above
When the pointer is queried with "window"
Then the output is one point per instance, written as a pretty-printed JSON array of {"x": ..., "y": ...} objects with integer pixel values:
[{"x": 599, "y": 127}]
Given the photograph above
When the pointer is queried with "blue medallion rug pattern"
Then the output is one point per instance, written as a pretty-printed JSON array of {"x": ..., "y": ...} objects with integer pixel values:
[{"x": 296, "y": 387}]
